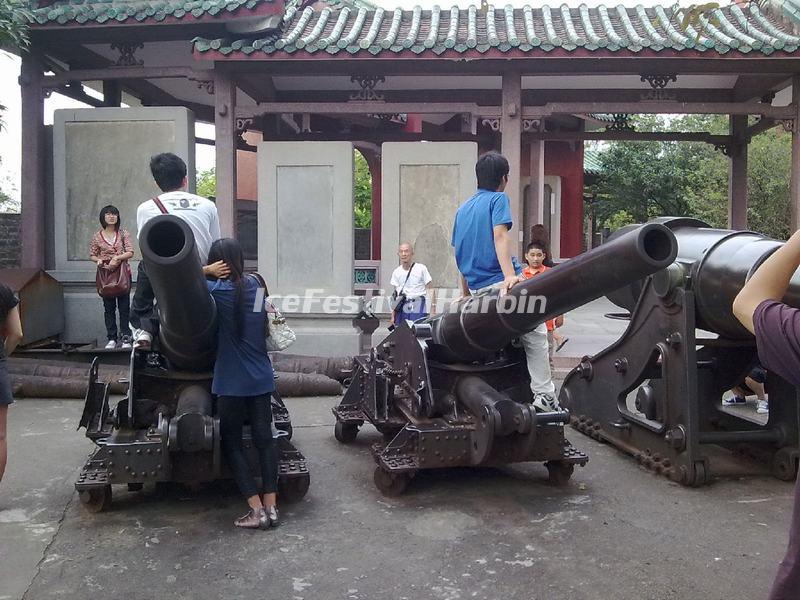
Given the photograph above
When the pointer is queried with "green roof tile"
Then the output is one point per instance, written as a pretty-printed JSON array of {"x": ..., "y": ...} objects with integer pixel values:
[{"x": 65, "y": 12}]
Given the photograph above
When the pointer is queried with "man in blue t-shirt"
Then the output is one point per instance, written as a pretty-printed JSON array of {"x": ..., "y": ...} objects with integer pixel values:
[{"x": 483, "y": 249}]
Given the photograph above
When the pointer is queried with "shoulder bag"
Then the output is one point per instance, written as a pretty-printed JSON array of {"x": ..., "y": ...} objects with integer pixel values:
[
  {"x": 278, "y": 335},
  {"x": 399, "y": 298},
  {"x": 116, "y": 282}
]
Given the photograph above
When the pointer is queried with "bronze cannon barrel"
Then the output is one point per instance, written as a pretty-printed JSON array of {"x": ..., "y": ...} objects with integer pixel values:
[
  {"x": 484, "y": 324},
  {"x": 714, "y": 264},
  {"x": 186, "y": 311}
]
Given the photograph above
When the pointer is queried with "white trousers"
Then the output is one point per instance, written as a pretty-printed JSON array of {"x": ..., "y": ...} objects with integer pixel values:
[{"x": 537, "y": 354}]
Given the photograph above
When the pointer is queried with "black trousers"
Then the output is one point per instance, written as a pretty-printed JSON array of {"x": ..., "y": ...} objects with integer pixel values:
[
  {"x": 233, "y": 411},
  {"x": 142, "y": 312},
  {"x": 110, "y": 306}
]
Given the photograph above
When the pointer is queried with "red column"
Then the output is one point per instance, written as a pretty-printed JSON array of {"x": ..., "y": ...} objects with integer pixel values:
[{"x": 374, "y": 163}]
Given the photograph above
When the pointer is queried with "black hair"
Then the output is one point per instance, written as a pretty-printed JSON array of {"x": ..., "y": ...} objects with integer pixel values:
[
  {"x": 536, "y": 244},
  {"x": 110, "y": 208},
  {"x": 229, "y": 251},
  {"x": 490, "y": 170},
  {"x": 168, "y": 170}
]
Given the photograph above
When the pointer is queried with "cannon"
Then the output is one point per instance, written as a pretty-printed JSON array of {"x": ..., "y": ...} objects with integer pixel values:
[
  {"x": 453, "y": 390},
  {"x": 656, "y": 393},
  {"x": 165, "y": 429}
]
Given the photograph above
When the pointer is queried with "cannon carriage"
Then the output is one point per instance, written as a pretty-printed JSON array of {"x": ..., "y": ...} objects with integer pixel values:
[
  {"x": 454, "y": 390},
  {"x": 165, "y": 429},
  {"x": 656, "y": 393}
]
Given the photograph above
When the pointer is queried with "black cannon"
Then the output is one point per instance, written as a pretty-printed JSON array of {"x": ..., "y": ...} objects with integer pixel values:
[
  {"x": 165, "y": 429},
  {"x": 453, "y": 390},
  {"x": 657, "y": 392}
]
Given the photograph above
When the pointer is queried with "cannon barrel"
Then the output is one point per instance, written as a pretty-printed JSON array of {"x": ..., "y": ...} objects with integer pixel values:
[
  {"x": 717, "y": 263},
  {"x": 186, "y": 310},
  {"x": 484, "y": 324}
]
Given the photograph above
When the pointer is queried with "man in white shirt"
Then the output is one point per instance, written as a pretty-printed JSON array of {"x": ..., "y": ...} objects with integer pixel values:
[
  {"x": 169, "y": 172},
  {"x": 410, "y": 281}
]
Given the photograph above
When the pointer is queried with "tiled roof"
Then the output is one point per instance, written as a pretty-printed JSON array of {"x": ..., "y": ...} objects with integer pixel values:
[
  {"x": 529, "y": 29},
  {"x": 592, "y": 163},
  {"x": 119, "y": 11}
]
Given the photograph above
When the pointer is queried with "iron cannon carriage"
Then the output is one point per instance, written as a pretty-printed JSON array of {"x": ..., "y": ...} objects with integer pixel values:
[
  {"x": 454, "y": 390},
  {"x": 657, "y": 392},
  {"x": 165, "y": 429}
]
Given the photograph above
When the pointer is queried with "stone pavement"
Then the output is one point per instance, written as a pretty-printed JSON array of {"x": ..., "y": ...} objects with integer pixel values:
[{"x": 615, "y": 532}]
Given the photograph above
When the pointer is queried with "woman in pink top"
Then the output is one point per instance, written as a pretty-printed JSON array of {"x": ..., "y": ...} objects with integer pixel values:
[{"x": 111, "y": 248}]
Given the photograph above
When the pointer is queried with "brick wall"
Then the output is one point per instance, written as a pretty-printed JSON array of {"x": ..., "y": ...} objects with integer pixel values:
[{"x": 9, "y": 240}]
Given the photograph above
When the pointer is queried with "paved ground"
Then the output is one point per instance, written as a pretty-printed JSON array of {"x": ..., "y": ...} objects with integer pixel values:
[{"x": 614, "y": 532}]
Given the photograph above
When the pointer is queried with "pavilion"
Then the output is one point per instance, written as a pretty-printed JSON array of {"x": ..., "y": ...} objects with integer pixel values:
[{"x": 533, "y": 82}]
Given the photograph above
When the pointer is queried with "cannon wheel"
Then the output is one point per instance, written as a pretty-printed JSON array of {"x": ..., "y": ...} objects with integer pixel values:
[
  {"x": 345, "y": 432},
  {"x": 96, "y": 500},
  {"x": 784, "y": 466},
  {"x": 292, "y": 489},
  {"x": 391, "y": 484},
  {"x": 559, "y": 471}
]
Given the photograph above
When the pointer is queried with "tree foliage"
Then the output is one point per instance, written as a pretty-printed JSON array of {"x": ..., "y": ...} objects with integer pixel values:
[
  {"x": 14, "y": 19},
  {"x": 642, "y": 180},
  {"x": 362, "y": 184},
  {"x": 206, "y": 183}
]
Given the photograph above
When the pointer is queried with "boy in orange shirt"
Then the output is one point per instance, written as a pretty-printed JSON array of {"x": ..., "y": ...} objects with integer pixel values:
[{"x": 535, "y": 256}]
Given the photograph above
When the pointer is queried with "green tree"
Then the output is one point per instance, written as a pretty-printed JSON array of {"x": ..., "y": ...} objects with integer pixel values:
[
  {"x": 647, "y": 179},
  {"x": 14, "y": 19},
  {"x": 362, "y": 204},
  {"x": 206, "y": 183}
]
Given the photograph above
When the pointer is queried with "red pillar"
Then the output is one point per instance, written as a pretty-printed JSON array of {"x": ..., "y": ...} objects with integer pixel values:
[{"x": 374, "y": 163}]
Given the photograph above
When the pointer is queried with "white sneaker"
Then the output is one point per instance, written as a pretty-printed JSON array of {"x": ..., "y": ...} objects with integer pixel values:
[
  {"x": 111, "y": 345},
  {"x": 763, "y": 407},
  {"x": 126, "y": 346},
  {"x": 545, "y": 403},
  {"x": 142, "y": 338}
]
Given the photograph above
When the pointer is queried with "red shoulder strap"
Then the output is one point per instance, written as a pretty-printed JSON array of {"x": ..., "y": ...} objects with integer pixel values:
[{"x": 160, "y": 205}]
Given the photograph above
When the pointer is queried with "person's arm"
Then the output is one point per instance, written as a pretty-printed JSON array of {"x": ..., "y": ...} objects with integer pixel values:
[
  {"x": 464, "y": 286},
  {"x": 94, "y": 251},
  {"x": 125, "y": 254},
  {"x": 217, "y": 269},
  {"x": 213, "y": 227},
  {"x": 769, "y": 282},
  {"x": 502, "y": 245},
  {"x": 12, "y": 330}
]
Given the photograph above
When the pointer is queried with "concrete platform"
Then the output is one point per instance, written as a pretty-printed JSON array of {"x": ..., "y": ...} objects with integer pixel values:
[{"x": 614, "y": 532}]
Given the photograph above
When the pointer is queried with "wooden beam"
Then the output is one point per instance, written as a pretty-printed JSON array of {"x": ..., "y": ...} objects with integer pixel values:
[
  {"x": 111, "y": 72},
  {"x": 653, "y": 108},
  {"x": 491, "y": 97},
  {"x": 737, "y": 174},
  {"x": 260, "y": 88},
  {"x": 225, "y": 136},
  {"x": 761, "y": 126},
  {"x": 32, "y": 171},
  {"x": 511, "y": 147},
  {"x": 755, "y": 87},
  {"x": 356, "y": 108},
  {"x": 630, "y": 136},
  {"x": 794, "y": 195}
]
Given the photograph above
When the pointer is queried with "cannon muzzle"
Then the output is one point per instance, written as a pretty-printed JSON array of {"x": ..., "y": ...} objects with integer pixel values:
[
  {"x": 186, "y": 311},
  {"x": 715, "y": 264},
  {"x": 486, "y": 323}
]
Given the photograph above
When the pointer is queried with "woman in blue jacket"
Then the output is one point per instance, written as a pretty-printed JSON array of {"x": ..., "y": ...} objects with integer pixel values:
[{"x": 244, "y": 382}]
